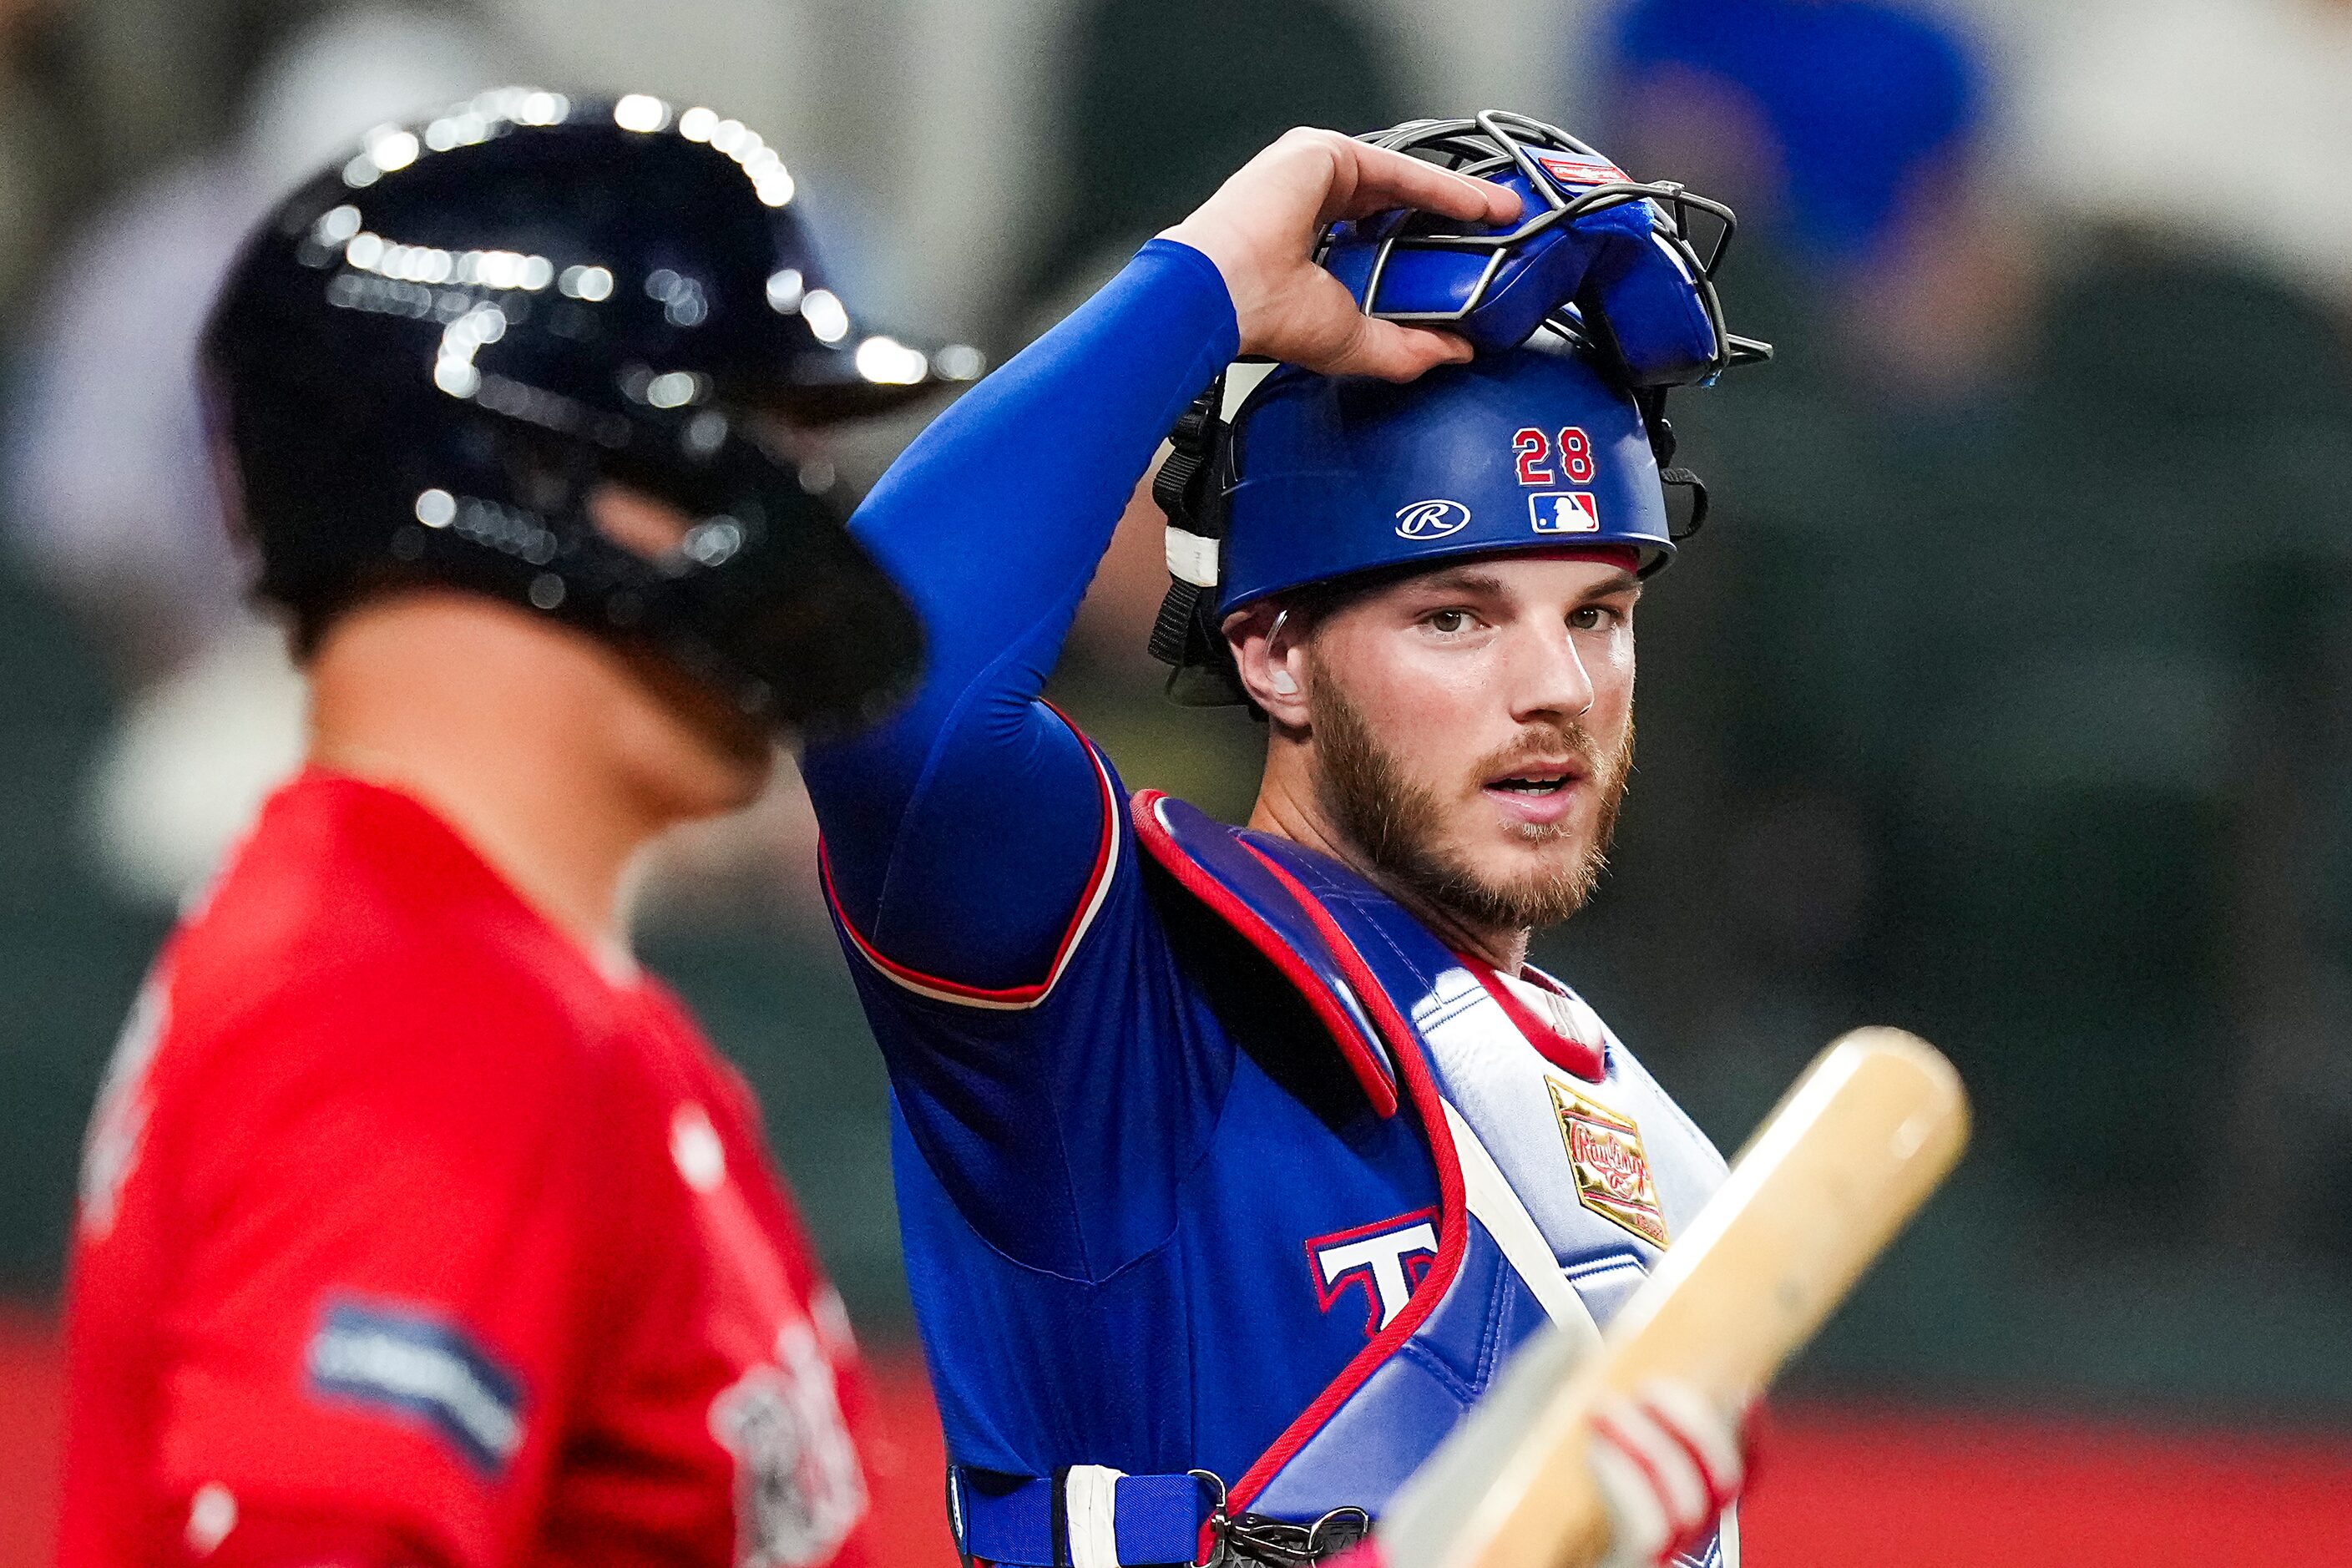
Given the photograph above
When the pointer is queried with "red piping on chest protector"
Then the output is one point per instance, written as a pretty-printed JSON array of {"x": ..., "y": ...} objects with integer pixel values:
[
  {"x": 1155, "y": 837},
  {"x": 1565, "y": 1052},
  {"x": 1453, "y": 1230}
]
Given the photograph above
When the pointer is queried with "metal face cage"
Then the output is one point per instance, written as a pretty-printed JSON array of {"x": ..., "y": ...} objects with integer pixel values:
[{"x": 1494, "y": 140}]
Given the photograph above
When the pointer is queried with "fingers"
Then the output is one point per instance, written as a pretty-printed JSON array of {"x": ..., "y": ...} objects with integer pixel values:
[
  {"x": 1393, "y": 353},
  {"x": 1639, "y": 1523},
  {"x": 1714, "y": 1443},
  {"x": 1372, "y": 179},
  {"x": 1667, "y": 1463},
  {"x": 1258, "y": 231}
]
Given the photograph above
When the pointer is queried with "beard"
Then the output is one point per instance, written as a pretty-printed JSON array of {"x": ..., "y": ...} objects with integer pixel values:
[{"x": 1400, "y": 825}]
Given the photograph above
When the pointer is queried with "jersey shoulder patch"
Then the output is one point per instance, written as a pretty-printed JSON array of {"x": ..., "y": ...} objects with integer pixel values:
[{"x": 419, "y": 1367}]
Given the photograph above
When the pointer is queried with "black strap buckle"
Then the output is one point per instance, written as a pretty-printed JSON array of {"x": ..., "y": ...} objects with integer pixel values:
[{"x": 1253, "y": 1538}]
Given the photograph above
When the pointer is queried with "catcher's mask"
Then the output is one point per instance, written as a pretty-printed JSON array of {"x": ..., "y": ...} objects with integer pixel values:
[{"x": 1625, "y": 266}]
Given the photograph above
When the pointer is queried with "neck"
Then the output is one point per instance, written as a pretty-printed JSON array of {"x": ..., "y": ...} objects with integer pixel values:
[
  {"x": 1289, "y": 806},
  {"x": 498, "y": 724}
]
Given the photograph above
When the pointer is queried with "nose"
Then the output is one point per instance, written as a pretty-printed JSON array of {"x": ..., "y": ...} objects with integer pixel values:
[{"x": 1549, "y": 679}]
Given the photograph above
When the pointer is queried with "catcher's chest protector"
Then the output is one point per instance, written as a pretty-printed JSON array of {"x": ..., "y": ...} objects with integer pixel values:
[{"x": 1556, "y": 1191}]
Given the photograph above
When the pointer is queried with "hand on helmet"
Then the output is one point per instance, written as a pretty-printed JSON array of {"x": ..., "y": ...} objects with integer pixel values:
[
  {"x": 1260, "y": 227},
  {"x": 1668, "y": 1463}
]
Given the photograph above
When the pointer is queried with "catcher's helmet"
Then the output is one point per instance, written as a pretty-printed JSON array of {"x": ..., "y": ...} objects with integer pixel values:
[
  {"x": 1531, "y": 449},
  {"x": 1585, "y": 315},
  {"x": 427, "y": 357}
]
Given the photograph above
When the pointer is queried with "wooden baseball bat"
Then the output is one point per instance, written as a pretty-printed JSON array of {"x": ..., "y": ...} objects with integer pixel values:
[{"x": 1849, "y": 1153}]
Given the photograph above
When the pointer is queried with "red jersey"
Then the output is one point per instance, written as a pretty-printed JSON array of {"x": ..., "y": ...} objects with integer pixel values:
[{"x": 397, "y": 1212}]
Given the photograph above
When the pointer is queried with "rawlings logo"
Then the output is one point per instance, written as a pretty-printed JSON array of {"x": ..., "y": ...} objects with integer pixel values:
[
  {"x": 1432, "y": 519},
  {"x": 1612, "y": 1173},
  {"x": 1620, "y": 1168}
]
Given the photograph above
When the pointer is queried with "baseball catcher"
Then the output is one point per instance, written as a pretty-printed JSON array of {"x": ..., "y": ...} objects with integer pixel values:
[{"x": 1233, "y": 1161}]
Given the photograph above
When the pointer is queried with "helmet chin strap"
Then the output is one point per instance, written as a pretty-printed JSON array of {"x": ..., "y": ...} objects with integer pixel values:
[{"x": 1652, "y": 404}]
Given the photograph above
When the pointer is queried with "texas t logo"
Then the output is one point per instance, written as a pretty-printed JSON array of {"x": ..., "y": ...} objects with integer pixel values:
[{"x": 1387, "y": 1258}]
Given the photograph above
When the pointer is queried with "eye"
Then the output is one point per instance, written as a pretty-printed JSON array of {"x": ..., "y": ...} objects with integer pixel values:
[
  {"x": 1595, "y": 618},
  {"x": 1447, "y": 623}
]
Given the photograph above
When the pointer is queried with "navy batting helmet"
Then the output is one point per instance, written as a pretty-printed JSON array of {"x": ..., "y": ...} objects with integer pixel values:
[
  {"x": 429, "y": 357},
  {"x": 1585, "y": 314}
]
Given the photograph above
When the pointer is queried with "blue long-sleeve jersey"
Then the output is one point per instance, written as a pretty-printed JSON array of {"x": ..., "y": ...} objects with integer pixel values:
[
  {"x": 1059, "y": 1071},
  {"x": 993, "y": 523},
  {"x": 964, "y": 838}
]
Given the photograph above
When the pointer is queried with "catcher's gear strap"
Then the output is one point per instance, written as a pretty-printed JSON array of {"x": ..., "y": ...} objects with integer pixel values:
[
  {"x": 1087, "y": 1516},
  {"x": 1192, "y": 558},
  {"x": 1185, "y": 636}
]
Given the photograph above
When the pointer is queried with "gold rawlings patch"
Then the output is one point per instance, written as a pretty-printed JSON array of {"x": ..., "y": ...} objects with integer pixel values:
[{"x": 1612, "y": 1173}]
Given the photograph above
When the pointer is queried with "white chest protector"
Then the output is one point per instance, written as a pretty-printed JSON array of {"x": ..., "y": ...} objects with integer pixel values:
[
  {"x": 1575, "y": 1169},
  {"x": 1606, "y": 1172}
]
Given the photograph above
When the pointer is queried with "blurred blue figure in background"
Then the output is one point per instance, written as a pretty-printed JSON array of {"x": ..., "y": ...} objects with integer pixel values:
[
  {"x": 1855, "y": 104},
  {"x": 1849, "y": 135}
]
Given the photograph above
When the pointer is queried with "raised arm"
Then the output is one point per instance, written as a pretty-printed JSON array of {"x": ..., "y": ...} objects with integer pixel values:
[{"x": 961, "y": 836}]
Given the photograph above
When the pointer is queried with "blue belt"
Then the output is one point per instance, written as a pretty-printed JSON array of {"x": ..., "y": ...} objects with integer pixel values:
[{"x": 1085, "y": 1517}]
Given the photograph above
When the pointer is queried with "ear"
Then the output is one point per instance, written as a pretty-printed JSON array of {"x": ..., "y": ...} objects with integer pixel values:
[{"x": 1272, "y": 667}]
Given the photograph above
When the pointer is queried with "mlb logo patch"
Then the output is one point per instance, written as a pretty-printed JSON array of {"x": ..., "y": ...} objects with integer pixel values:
[
  {"x": 1564, "y": 511},
  {"x": 1566, "y": 169}
]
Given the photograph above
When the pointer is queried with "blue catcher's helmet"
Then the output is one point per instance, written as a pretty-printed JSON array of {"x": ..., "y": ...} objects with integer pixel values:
[
  {"x": 1330, "y": 477},
  {"x": 1585, "y": 314},
  {"x": 427, "y": 358}
]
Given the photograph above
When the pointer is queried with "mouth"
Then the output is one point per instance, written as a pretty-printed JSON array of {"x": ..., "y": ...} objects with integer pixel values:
[
  {"x": 1537, "y": 792},
  {"x": 1532, "y": 784}
]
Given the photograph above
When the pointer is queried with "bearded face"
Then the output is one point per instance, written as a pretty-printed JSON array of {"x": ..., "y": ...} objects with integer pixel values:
[
  {"x": 1465, "y": 734},
  {"x": 1404, "y": 826}
]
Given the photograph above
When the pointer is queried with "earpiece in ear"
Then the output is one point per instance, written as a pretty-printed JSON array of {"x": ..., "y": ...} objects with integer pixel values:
[{"x": 1284, "y": 685}]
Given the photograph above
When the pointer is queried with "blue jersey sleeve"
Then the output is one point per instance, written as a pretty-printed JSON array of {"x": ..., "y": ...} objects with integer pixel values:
[{"x": 964, "y": 838}]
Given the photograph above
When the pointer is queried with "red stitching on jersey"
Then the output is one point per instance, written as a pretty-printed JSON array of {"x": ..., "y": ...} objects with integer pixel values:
[
  {"x": 1454, "y": 1229},
  {"x": 1362, "y": 1059},
  {"x": 1011, "y": 996}
]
